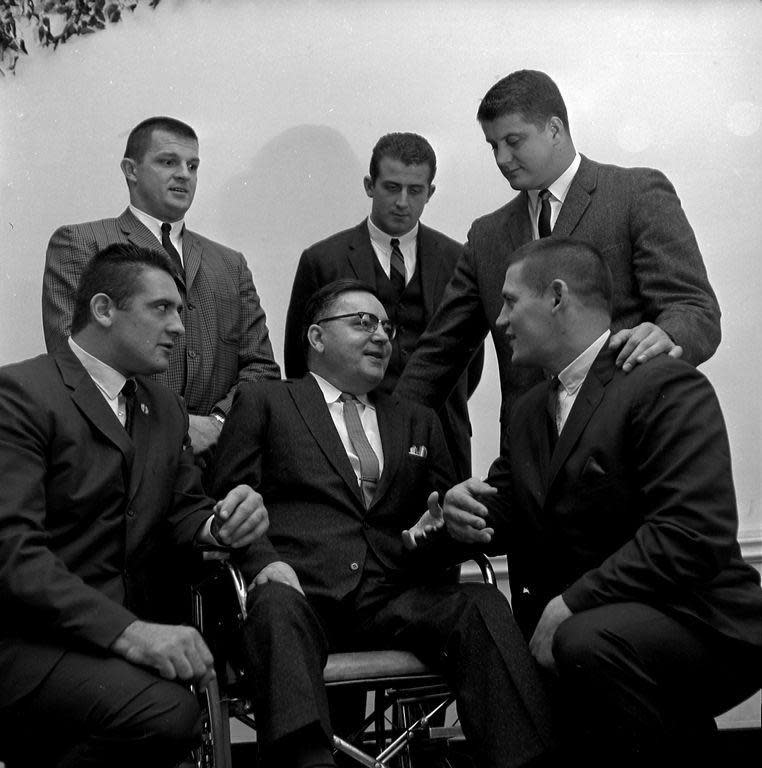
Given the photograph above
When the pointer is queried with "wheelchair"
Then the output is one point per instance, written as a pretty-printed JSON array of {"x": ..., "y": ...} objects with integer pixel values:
[{"x": 409, "y": 699}]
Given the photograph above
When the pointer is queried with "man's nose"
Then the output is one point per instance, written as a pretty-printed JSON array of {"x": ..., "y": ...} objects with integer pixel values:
[
  {"x": 176, "y": 326},
  {"x": 503, "y": 319},
  {"x": 503, "y": 154},
  {"x": 402, "y": 200}
]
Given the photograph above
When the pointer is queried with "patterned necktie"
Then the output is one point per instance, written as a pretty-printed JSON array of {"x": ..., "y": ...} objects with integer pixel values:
[
  {"x": 128, "y": 392},
  {"x": 397, "y": 272},
  {"x": 166, "y": 228},
  {"x": 543, "y": 222},
  {"x": 363, "y": 448}
]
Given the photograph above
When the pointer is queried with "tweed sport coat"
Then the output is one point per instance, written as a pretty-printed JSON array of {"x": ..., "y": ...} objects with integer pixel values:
[
  {"x": 634, "y": 217},
  {"x": 226, "y": 337}
]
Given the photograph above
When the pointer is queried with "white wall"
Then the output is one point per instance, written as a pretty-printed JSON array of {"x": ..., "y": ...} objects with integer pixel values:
[{"x": 288, "y": 99}]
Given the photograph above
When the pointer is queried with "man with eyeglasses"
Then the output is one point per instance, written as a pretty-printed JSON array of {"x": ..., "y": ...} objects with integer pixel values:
[
  {"x": 406, "y": 263},
  {"x": 343, "y": 470}
]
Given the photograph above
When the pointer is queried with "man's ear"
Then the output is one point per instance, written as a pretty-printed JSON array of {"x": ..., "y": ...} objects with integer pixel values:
[
  {"x": 369, "y": 186},
  {"x": 559, "y": 292},
  {"x": 128, "y": 168},
  {"x": 102, "y": 309},
  {"x": 315, "y": 338},
  {"x": 556, "y": 126},
  {"x": 432, "y": 190}
]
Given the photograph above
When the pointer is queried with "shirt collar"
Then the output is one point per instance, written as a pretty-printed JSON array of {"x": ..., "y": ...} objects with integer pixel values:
[
  {"x": 574, "y": 374},
  {"x": 154, "y": 224},
  {"x": 560, "y": 187},
  {"x": 381, "y": 238},
  {"x": 332, "y": 393},
  {"x": 106, "y": 378}
]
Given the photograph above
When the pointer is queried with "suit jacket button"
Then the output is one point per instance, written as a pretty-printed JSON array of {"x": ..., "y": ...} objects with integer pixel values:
[
  {"x": 191, "y": 353},
  {"x": 354, "y": 566},
  {"x": 130, "y": 512}
]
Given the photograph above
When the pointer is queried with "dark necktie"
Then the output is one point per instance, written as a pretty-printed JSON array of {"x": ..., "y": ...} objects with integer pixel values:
[
  {"x": 363, "y": 448},
  {"x": 128, "y": 391},
  {"x": 552, "y": 409},
  {"x": 543, "y": 222},
  {"x": 171, "y": 250},
  {"x": 397, "y": 271}
]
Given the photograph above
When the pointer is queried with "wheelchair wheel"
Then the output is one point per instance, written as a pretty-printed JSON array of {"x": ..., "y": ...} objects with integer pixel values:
[{"x": 214, "y": 751}]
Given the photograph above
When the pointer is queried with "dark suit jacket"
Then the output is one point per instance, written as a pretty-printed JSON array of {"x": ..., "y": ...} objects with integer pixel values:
[
  {"x": 281, "y": 440},
  {"x": 86, "y": 512},
  {"x": 226, "y": 338},
  {"x": 349, "y": 254},
  {"x": 634, "y": 217},
  {"x": 636, "y": 502}
]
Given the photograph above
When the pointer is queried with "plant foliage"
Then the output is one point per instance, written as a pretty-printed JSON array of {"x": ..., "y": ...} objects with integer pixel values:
[{"x": 79, "y": 17}]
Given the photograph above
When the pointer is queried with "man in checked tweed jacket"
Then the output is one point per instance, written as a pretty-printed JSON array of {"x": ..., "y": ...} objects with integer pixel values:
[{"x": 226, "y": 338}]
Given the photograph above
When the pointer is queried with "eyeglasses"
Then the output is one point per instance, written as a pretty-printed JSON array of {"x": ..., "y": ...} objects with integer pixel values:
[{"x": 368, "y": 322}]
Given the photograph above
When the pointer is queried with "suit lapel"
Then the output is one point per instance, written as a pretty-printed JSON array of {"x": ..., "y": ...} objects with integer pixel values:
[
  {"x": 577, "y": 198},
  {"x": 518, "y": 225},
  {"x": 589, "y": 397},
  {"x": 361, "y": 255},
  {"x": 433, "y": 277},
  {"x": 311, "y": 405},
  {"x": 191, "y": 257},
  {"x": 141, "y": 429},
  {"x": 391, "y": 428},
  {"x": 91, "y": 403}
]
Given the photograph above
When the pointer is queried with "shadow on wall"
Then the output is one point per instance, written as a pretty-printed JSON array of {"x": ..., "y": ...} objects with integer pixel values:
[{"x": 302, "y": 186}]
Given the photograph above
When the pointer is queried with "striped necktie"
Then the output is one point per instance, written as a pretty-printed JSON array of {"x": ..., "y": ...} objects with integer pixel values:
[
  {"x": 397, "y": 271},
  {"x": 365, "y": 453}
]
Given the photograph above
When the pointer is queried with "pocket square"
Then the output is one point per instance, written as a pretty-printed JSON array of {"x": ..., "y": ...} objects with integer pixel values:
[
  {"x": 592, "y": 468},
  {"x": 418, "y": 450}
]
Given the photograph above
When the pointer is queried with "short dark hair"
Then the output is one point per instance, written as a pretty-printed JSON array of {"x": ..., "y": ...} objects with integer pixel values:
[
  {"x": 530, "y": 93},
  {"x": 115, "y": 271},
  {"x": 408, "y": 148},
  {"x": 578, "y": 263},
  {"x": 140, "y": 136},
  {"x": 322, "y": 301}
]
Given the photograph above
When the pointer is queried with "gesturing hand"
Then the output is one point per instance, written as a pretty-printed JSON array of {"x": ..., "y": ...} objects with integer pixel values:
[{"x": 431, "y": 520}]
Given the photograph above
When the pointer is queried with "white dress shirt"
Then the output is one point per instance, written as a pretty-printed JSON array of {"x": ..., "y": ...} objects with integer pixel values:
[
  {"x": 368, "y": 420},
  {"x": 154, "y": 224},
  {"x": 381, "y": 243},
  {"x": 571, "y": 378},
  {"x": 558, "y": 190},
  {"x": 108, "y": 380}
]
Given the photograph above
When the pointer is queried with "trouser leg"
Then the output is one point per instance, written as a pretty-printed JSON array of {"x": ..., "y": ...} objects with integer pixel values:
[
  {"x": 287, "y": 649},
  {"x": 467, "y": 631},
  {"x": 92, "y": 712},
  {"x": 638, "y": 687}
]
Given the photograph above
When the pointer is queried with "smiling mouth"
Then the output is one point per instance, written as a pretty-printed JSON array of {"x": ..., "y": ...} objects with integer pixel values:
[{"x": 181, "y": 190}]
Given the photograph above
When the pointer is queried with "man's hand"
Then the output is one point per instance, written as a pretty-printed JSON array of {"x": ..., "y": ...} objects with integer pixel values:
[
  {"x": 640, "y": 344},
  {"x": 239, "y": 519},
  {"x": 204, "y": 432},
  {"x": 175, "y": 652},
  {"x": 541, "y": 644},
  {"x": 278, "y": 571},
  {"x": 464, "y": 513},
  {"x": 431, "y": 520}
]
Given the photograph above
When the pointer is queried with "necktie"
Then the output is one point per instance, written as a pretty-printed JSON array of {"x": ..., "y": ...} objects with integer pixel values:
[
  {"x": 543, "y": 222},
  {"x": 171, "y": 250},
  {"x": 552, "y": 408},
  {"x": 128, "y": 391},
  {"x": 363, "y": 448},
  {"x": 397, "y": 272}
]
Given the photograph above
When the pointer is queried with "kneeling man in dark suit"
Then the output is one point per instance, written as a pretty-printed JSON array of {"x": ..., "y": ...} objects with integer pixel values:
[
  {"x": 99, "y": 490},
  {"x": 343, "y": 471},
  {"x": 616, "y": 506}
]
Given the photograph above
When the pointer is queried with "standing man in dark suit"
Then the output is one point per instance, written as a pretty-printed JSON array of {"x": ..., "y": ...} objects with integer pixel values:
[
  {"x": 344, "y": 469},
  {"x": 99, "y": 488},
  {"x": 406, "y": 262},
  {"x": 226, "y": 338},
  {"x": 615, "y": 504},
  {"x": 663, "y": 302}
]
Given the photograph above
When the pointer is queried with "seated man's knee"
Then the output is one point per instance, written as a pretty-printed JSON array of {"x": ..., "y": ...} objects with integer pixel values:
[
  {"x": 582, "y": 645},
  {"x": 176, "y": 716}
]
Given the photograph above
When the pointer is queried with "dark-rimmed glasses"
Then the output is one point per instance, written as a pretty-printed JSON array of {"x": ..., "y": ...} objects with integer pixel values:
[{"x": 368, "y": 322}]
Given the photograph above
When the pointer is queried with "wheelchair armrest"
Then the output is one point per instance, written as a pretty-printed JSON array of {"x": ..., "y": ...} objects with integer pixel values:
[
  {"x": 222, "y": 556},
  {"x": 485, "y": 566}
]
